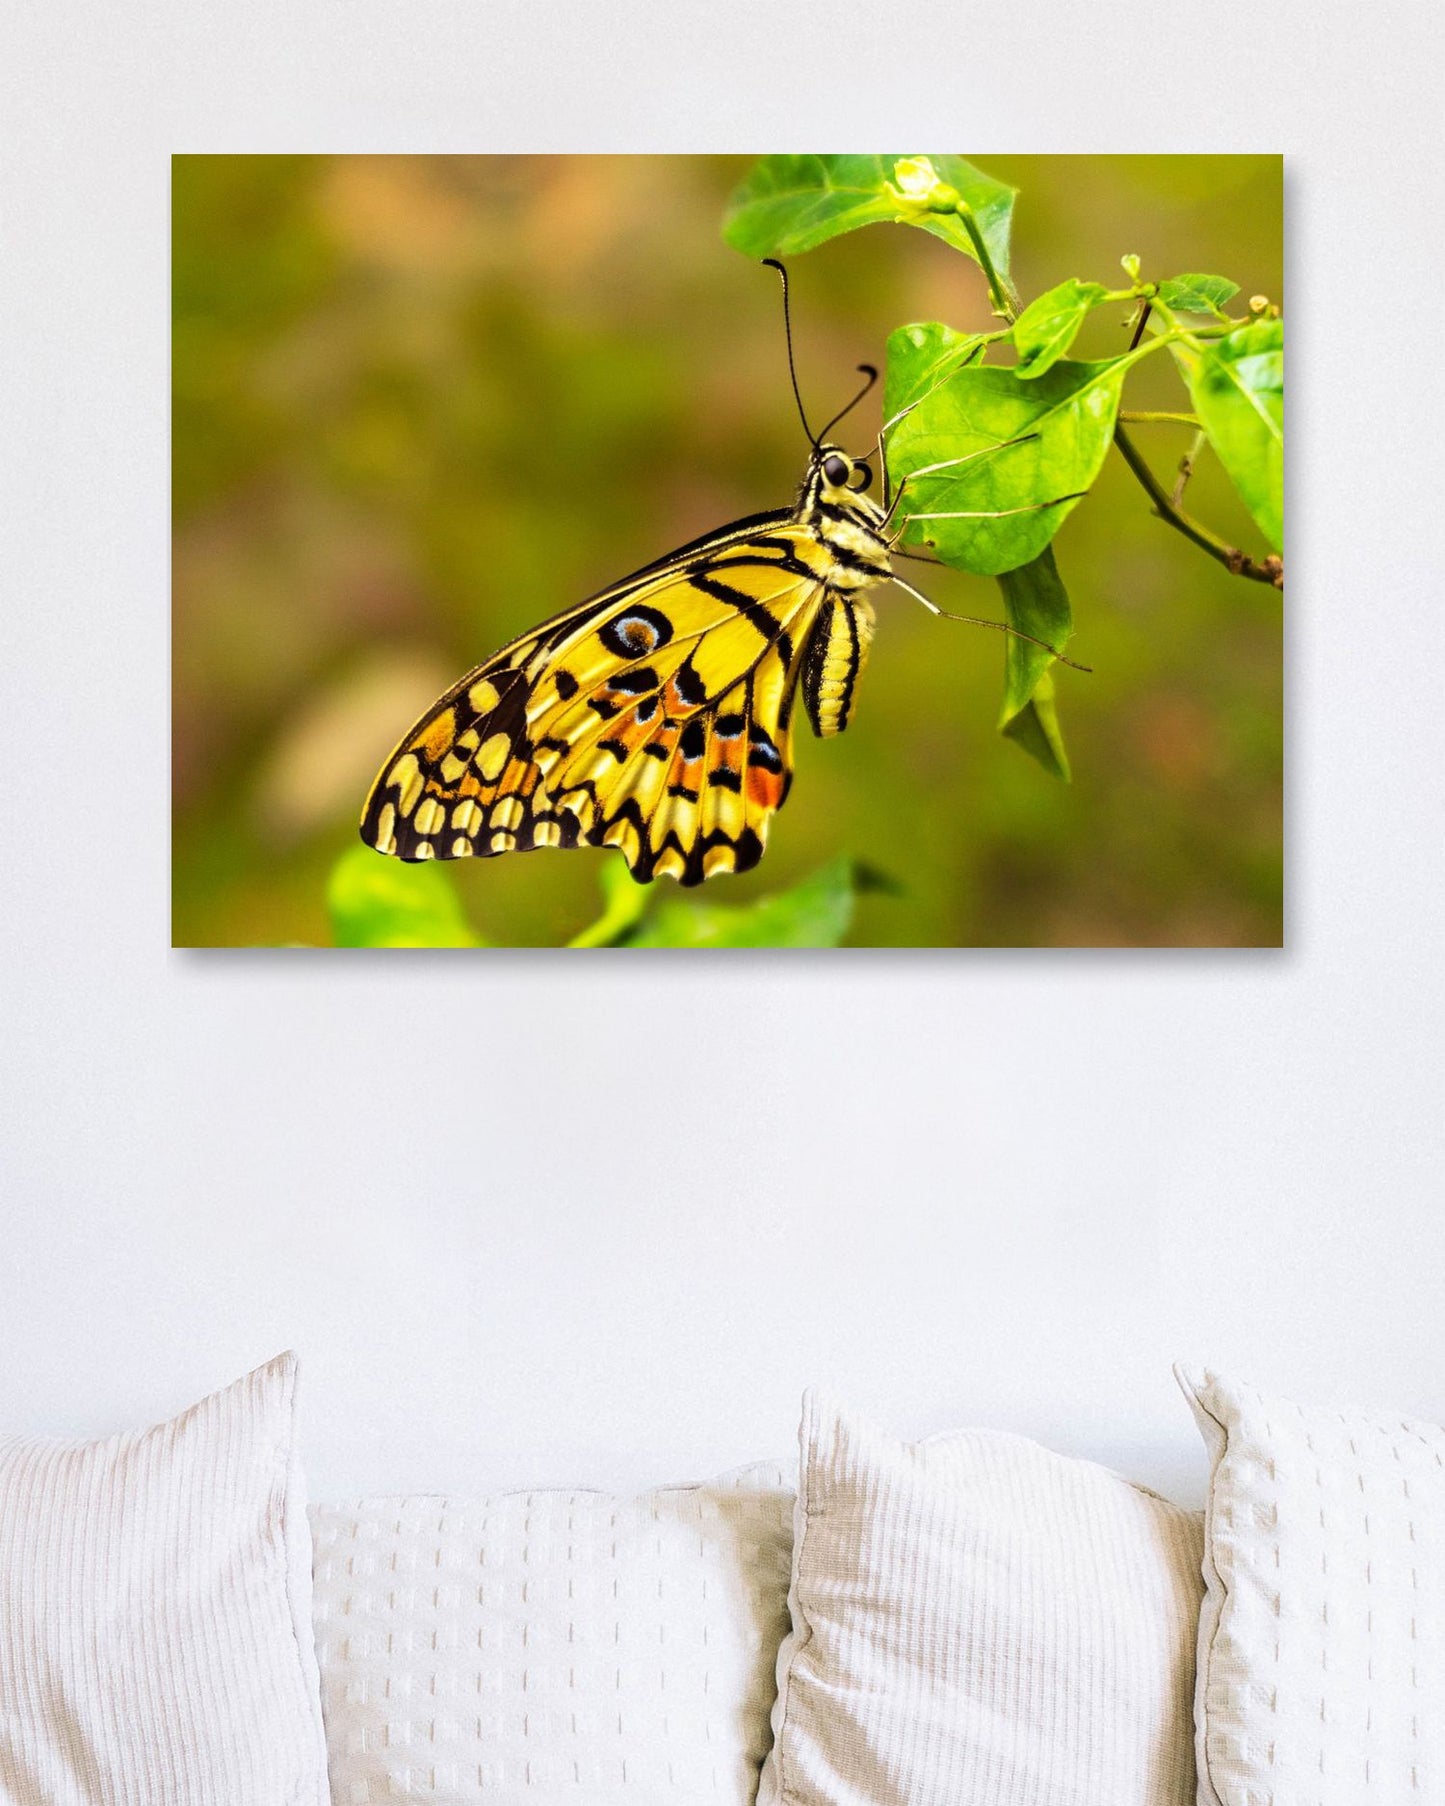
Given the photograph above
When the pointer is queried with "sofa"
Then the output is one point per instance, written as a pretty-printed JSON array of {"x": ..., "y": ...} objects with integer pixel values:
[{"x": 971, "y": 1620}]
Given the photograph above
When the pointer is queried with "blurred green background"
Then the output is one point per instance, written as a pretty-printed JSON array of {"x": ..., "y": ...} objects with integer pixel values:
[{"x": 421, "y": 403}]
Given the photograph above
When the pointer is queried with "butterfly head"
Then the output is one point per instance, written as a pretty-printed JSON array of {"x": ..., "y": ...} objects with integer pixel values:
[
  {"x": 835, "y": 489},
  {"x": 838, "y": 475}
]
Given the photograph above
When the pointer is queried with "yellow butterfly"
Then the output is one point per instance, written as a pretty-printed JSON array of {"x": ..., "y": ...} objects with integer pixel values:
[{"x": 657, "y": 716}]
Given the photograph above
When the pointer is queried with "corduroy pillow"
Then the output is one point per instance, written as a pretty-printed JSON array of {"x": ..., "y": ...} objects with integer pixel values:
[
  {"x": 975, "y": 1618},
  {"x": 155, "y": 1613}
]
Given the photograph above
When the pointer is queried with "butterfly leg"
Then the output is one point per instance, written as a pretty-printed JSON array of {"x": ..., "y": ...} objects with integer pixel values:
[
  {"x": 961, "y": 514},
  {"x": 981, "y": 621},
  {"x": 903, "y": 413},
  {"x": 995, "y": 513},
  {"x": 929, "y": 470},
  {"x": 881, "y": 456},
  {"x": 890, "y": 510}
]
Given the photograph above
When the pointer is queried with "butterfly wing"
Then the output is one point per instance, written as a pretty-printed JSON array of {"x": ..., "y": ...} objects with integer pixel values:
[{"x": 655, "y": 718}]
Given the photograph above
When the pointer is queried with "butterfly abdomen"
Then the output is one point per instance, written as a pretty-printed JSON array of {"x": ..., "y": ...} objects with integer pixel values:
[{"x": 833, "y": 661}]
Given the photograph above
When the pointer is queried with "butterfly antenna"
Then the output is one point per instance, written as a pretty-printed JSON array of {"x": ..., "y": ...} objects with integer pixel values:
[
  {"x": 773, "y": 264},
  {"x": 864, "y": 370}
]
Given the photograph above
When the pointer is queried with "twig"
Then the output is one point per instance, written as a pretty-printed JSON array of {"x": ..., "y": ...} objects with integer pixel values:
[
  {"x": 1186, "y": 468},
  {"x": 1145, "y": 309},
  {"x": 1267, "y": 570}
]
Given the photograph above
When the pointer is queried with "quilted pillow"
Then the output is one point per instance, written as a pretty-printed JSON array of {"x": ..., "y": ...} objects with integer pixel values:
[
  {"x": 976, "y": 1619},
  {"x": 155, "y": 1606},
  {"x": 1322, "y": 1636},
  {"x": 553, "y": 1646}
]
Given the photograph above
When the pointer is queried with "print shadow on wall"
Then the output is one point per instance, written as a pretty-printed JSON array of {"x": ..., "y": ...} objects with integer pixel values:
[{"x": 998, "y": 493}]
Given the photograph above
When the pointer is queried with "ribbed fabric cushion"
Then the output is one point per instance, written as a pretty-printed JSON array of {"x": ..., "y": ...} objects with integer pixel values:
[
  {"x": 553, "y": 1647},
  {"x": 1322, "y": 1637},
  {"x": 976, "y": 1620},
  {"x": 155, "y": 1595}
]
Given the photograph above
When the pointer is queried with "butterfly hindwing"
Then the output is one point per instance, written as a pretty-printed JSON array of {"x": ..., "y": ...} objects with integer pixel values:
[
  {"x": 436, "y": 796},
  {"x": 654, "y": 718}
]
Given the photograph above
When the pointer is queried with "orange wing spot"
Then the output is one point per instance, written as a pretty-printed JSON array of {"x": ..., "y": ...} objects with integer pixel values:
[
  {"x": 437, "y": 735},
  {"x": 627, "y": 731},
  {"x": 765, "y": 788}
]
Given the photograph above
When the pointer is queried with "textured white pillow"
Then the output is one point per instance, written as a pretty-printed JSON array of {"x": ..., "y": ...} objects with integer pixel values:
[
  {"x": 1322, "y": 1636},
  {"x": 978, "y": 1620},
  {"x": 155, "y": 1594},
  {"x": 553, "y": 1646}
]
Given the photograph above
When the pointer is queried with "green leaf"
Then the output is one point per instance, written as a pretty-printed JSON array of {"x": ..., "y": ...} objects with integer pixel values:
[
  {"x": 790, "y": 204},
  {"x": 1197, "y": 294},
  {"x": 1035, "y": 602},
  {"x": 379, "y": 902},
  {"x": 920, "y": 357},
  {"x": 814, "y": 913},
  {"x": 625, "y": 903},
  {"x": 1017, "y": 453},
  {"x": 1048, "y": 326},
  {"x": 1237, "y": 386},
  {"x": 1036, "y": 729}
]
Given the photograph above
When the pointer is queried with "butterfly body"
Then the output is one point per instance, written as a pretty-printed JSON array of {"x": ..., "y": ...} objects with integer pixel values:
[{"x": 655, "y": 717}]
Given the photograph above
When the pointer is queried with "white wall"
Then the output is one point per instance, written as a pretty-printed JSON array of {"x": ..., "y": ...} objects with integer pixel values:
[{"x": 505, "y": 1252}]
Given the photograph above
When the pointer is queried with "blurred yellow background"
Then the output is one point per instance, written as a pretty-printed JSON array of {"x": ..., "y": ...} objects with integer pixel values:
[{"x": 424, "y": 402}]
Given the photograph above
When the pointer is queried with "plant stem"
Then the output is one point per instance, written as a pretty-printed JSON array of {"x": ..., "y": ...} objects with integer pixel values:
[
  {"x": 1003, "y": 302},
  {"x": 1148, "y": 419},
  {"x": 1270, "y": 570}
]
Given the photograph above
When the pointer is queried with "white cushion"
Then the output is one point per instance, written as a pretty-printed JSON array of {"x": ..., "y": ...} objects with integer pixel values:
[
  {"x": 976, "y": 1619},
  {"x": 1322, "y": 1636},
  {"x": 553, "y": 1646},
  {"x": 155, "y": 1595}
]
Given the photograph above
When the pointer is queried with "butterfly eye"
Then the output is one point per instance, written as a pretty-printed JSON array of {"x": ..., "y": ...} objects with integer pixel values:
[
  {"x": 862, "y": 476},
  {"x": 835, "y": 469}
]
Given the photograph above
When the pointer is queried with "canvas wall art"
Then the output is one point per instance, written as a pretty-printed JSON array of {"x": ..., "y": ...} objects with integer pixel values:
[{"x": 711, "y": 552}]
